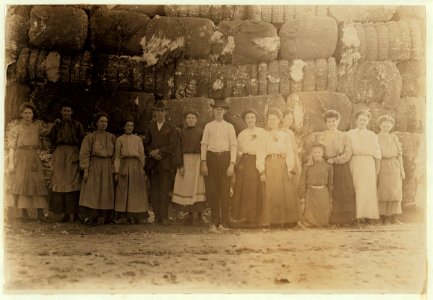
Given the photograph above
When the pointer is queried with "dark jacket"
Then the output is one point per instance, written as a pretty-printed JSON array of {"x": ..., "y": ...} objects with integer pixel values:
[{"x": 165, "y": 140}]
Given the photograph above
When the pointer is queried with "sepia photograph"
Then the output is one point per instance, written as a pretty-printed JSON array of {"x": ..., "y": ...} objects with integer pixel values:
[{"x": 230, "y": 149}]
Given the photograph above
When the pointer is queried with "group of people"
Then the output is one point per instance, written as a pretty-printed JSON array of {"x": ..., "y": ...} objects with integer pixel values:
[{"x": 253, "y": 180}]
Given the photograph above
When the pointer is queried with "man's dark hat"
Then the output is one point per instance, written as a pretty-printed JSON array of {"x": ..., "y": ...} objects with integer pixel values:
[{"x": 220, "y": 103}]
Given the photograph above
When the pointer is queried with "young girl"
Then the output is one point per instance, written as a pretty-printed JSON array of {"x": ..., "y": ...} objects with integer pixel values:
[
  {"x": 315, "y": 188},
  {"x": 391, "y": 172},
  {"x": 189, "y": 187},
  {"x": 131, "y": 196}
]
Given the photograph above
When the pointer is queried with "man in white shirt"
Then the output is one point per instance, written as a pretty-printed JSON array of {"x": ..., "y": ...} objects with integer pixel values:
[{"x": 218, "y": 157}]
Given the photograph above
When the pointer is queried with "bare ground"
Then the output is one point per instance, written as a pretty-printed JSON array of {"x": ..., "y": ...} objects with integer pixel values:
[{"x": 177, "y": 258}]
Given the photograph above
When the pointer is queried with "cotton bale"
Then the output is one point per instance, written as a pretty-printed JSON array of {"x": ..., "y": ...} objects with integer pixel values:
[
  {"x": 411, "y": 144},
  {"x": 22, "y": 71},
  {"x": 263, "y": 78},
  {"x": 178, "y": 107},
  {"x": 17, "y": 28},
  {"x": 246, "y": 41},
  {"x": 58, "y": 28},
  {"x": 371, "y": 81},
  {"x": 405, "y": 12},
  {"x": 117, "y": 31},
  {"x": 284, "y": 68},
  {"x": 273, "y": 82},
  {"x": 260, "y": 103},
  {"x": 15, "y": 94},
  {"x": 413, "y": 75},
  {"x": 355, "y": 13},
  {"x": 169, "y": 38},
  {"x": 309, "y": 76},
  {"x": 372, "y": 44},
  {"x": 149, "y": 10},
  {"x": 308, "y": 37},
  {"x": 332, "y": 75},
  {"x": 297, "y": 67},
  {"x": 321, "y": 73},
  {"x": 314, "y": 104},
  {"x": 382, "y": 41},
  {"x": 266, "y": 13},
  {"x": 242, "y": 81},
  {"x": 380, "y": 13}
]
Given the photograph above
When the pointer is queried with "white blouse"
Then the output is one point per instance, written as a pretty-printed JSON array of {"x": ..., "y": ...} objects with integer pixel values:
[{"x": 275, "y": 142}]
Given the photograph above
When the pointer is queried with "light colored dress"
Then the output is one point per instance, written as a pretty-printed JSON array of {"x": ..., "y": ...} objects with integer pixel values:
[
  {"x": 131, "y": 193},
  {"x": 365, "y": 149},
  {"x": 339, "y": 149},
  {"x": 315, "y": 186},
  {"x": 96, "y": 155},
  {"x": 276, "y": 160},
  {"x": 389, "y": 191},
  {"x": 27, "y": 182},
  {"x": 189, "y": 193},
  {"x": 247, "y": 197}
]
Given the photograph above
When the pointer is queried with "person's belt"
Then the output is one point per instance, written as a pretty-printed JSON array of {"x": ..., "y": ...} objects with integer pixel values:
[
  {"x": 316, "y": 186},
  {"x": 276, "y": 155},
  {"x": 27, "y": 147},
  {"x": 218, "y": 153}
]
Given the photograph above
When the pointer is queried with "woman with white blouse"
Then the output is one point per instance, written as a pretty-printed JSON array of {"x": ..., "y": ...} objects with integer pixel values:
[
  {"x": 275, "y": 163},
  {"x": 364, "y": 166},
  {"x": 247, "y": 197}
]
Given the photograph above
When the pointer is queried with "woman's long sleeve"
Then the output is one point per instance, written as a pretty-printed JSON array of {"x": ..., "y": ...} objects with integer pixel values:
[
  {"x": 347, "y": 152},
  {"x": 178, "y": 155},
  {"x": 261, "y": 154},
  {"x": 13, "y": 137},
  {"x": 117, "y": 151},
  {"x": 399, "y": 154},
  {"x": 142, "y": 156},
  {"x": 290, "y": 159},
  {"x": 86, "y": 152}
]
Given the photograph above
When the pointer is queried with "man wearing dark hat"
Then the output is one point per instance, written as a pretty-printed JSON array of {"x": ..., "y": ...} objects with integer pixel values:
[
  {"x": 218, "y": 155},
  {"x": 159, "y": 146}
]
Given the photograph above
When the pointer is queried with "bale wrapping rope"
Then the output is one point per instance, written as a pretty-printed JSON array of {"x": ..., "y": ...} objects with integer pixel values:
[
  {"x": 316, "y": 103},
  {"x": 308, "y": 37},
  {"x": 369, "y": 81},
  {"x": 117, "y": 31},
  {"x": 169, "y": 38},
  {"x": 245, "y": 42},
  {"x": 58, "y": 27}
]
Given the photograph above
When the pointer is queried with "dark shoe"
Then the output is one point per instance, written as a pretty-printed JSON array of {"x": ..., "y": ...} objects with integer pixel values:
[
  {"x": 108, "y": 220},
  {"x": 90, "y": 221},
  {"x": 190, "y": 219}
]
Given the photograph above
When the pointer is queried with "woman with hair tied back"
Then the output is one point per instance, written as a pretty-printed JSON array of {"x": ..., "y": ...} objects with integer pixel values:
[
  {"x": 28, "y": 187},
  {"x": 338, "y": 152},
  {"x": 391, "y": 172},
  {"x": 96, "y": 160},
  {"x": 364, "y": 166},
  {"x": 275, "y": 164}
]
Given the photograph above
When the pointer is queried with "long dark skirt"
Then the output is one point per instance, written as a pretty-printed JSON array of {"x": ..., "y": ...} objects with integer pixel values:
[
  {"x": 344, "y": 198},
  {"x": 280, "y": 205},
  {"x": 247, "y": 197}
]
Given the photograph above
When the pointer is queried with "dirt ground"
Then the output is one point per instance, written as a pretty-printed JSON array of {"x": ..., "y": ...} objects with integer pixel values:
[{"x": 152, "y": 258}]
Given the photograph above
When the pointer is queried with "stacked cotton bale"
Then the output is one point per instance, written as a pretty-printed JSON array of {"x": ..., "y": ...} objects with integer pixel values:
[
  {"x": 245, "y": 42},
  {"x": 216, "y": 13},
  {"x": 203, "y": 78},
  {"x": 413, "y": 75},
  {"x": 371, "y": 81},
  {"x": 278, "y": 14},
  {"x": 17, "y": 28},
  {"x": 359, "y": 13},
  {"x": 15, "y": 94},
  {"x": 308, "y": 108},
  {"x": 170, "y": 38},
  {"x": 411, "y": 144},
  {"x": 41, "y": 66},
  {"x": 410, "y": 115},
  {"x": 149, "y": 10},
  {"x": 117, "y": 31},
  {"x": 395, "y": 41},
  {"x": 58, "y": 28},
  {"x": 308, "y": 37}
]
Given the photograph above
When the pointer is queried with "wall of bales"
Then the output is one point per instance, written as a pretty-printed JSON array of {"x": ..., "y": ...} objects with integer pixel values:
[{"x": 122, "y": 58}]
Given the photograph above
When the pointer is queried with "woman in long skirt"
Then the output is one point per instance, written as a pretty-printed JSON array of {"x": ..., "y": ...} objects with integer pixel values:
[
  {"x": 66, "y": 137},
  {"x": 131, "y": 203},
  {"x": 391, "y": 172},
  {"x": 96, "y": 160},
  {"x": 315, "y": 188},
  {"x": 189, "y": 194},
  {"x": 27, "y": 184},
  {"x": 364, "y": 166},
  {"x": 338, "y": 152},
  {"x": 247, "y": 197},
  {"x": 275, "y": 164}
]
